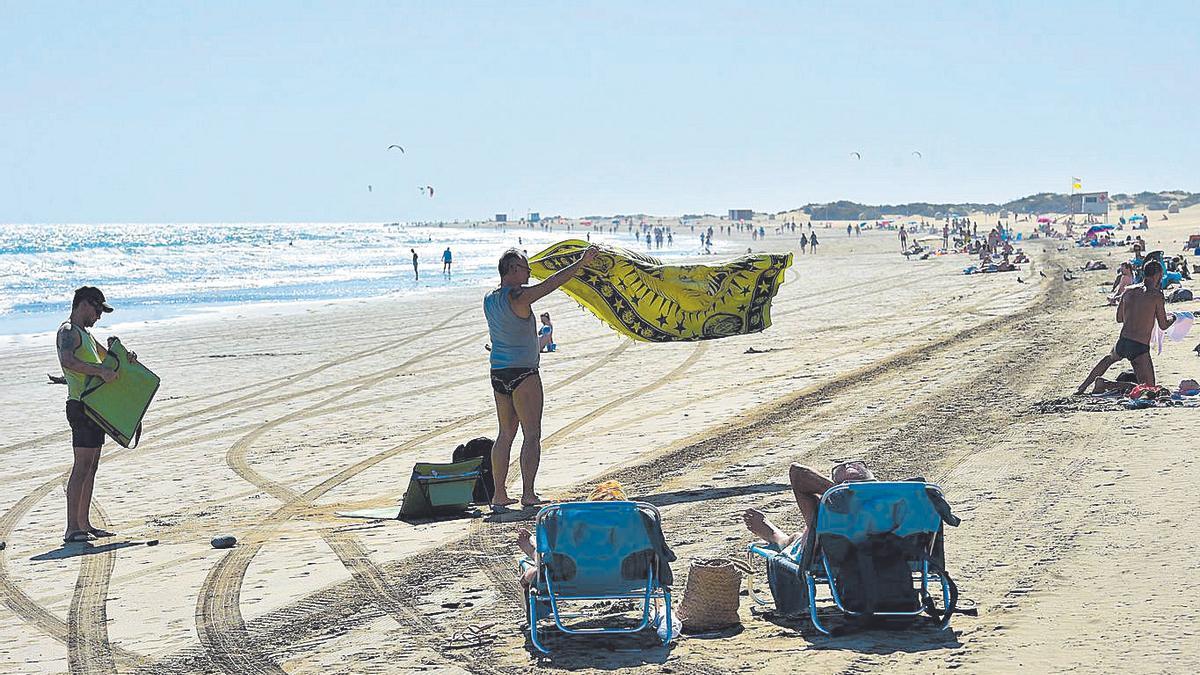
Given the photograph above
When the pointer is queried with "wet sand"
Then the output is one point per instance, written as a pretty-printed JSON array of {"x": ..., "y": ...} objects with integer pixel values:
[{"x": 1075, "y": 543}]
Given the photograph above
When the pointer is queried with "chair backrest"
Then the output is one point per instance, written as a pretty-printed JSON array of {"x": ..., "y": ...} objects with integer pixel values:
[
  {"x": 873, "y": 536},
  {"x": 857, "y": 511},
  {"x": 594, "y": 548},
  {"x": 440, "y": 487}
]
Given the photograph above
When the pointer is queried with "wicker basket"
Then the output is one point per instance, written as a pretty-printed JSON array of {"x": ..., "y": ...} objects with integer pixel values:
[{"x": 711, "y": 598}]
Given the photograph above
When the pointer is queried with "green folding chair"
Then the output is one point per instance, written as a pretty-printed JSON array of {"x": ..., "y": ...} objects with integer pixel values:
[
  {"x": 439, "y": 489},
  {"x": 119, "y": 406}
]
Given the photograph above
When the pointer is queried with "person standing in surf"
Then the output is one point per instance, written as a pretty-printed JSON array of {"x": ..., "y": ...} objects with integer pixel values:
[
  {"x": 80, "y": 356},
  {"x": 416, "y": 274},
  {"x": 447, "y": 258},
  {"x": 514, "y": 360}
]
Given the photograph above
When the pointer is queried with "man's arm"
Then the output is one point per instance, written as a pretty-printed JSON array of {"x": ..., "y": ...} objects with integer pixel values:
[
  {"x": 1160, "y": 313},
  {"x": 68, "y": 341},
  {"x": 1121, "y": 309},
  {"x": 525, "y": 297}
]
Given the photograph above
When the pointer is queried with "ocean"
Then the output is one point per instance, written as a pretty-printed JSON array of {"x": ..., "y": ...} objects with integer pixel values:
[{"x": 162, "y": 271}]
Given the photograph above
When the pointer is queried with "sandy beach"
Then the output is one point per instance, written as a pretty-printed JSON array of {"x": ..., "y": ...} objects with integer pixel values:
[{"x": 1076, "y": 544}]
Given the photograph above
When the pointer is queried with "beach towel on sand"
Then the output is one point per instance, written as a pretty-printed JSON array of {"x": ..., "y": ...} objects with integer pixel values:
[{"x": 642, "y": 298}]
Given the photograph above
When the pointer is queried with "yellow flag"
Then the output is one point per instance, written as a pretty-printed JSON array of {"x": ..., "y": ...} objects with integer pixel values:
[
  {"x": 642, "y": 298},
  {"x": 1076, "y": 186}
]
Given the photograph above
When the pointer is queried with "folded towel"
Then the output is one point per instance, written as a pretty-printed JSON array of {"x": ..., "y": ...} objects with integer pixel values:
[{"x": 787, "y": 586}]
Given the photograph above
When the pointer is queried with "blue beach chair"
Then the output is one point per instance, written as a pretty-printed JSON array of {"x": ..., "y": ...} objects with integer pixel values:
[
  {"x": 598, "y": 551},
  {"x": 877, "y": 546}
]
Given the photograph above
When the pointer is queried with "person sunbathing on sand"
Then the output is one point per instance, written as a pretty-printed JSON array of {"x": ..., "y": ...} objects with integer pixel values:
[{"x": 807, "y": 486}]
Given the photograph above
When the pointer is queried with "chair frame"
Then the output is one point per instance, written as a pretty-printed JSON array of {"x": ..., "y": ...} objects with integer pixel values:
[
  {"x": 819, "y": 572},
  {"x": 654, "y": 591}
]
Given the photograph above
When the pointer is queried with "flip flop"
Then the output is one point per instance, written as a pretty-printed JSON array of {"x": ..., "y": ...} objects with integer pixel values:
[
  {"x": 540, "y": 502},
  {"x": 77, "y": 537},
  {"x": 475, "y": 635},
  {"x": 99, "y": 533}
]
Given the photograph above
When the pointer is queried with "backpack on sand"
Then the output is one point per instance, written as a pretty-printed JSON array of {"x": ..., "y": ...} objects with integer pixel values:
[{"x": 479, "y": 447}]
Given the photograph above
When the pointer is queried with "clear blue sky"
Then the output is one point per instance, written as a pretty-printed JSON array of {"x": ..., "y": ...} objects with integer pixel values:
[{"x": 281, "y": 111}]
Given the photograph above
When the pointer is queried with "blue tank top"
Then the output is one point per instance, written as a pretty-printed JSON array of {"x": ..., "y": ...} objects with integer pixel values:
[{"x": 514, "y": 340}]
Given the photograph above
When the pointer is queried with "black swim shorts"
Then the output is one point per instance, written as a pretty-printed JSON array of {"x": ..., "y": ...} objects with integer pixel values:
[
  {"x": 85, "y": 433},
  {"x": 1130, "y": 349},
  {"x": 506, "y": 380}
]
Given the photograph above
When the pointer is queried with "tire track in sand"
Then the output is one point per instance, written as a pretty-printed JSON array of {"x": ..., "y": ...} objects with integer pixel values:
[
  {"x": 259, "y": 388},
  {"x": 88, "y": 648},
  {"x": 313, "y": 614},
  {"x": 87, "y": 653},
  {"x": 24, "y": 606},
  {"x": 239, "y": 624},
  {"x": 219, "y": 622}
]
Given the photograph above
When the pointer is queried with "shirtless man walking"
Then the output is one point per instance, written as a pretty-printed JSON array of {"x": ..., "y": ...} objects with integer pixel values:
[
  {"x": 515, "y": 356},
  {"x": 1141, "y": 306}
]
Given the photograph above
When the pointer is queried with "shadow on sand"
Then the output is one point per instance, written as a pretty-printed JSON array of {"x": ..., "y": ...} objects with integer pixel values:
[
  {"x": 920, "y": 636},
  {"x": 704, "y": 494},
  {"x": 84, "y": 548}
]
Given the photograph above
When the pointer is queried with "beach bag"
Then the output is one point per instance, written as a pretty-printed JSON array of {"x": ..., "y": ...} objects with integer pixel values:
[
  {"x": 479, "y": 447},
  {"x": 713, "y": 594},
  {"x": 1181, "y": 295}
]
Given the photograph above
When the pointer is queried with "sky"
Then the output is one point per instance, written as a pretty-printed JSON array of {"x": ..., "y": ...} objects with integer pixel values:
[{"x": 283, "y": 111}]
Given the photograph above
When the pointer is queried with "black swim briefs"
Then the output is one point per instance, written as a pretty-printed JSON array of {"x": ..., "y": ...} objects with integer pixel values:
[
  {"x": 85, "y": 433},
  {"x": 1130, "y": 349},
  {"x": 506, "y": 380}
]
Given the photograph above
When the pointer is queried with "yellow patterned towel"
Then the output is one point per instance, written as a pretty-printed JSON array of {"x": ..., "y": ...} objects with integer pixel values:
[{"x": 641, "y": 297}]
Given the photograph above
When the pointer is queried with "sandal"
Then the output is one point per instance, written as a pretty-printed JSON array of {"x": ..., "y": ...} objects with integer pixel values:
[
  {"x": 99, "y": 533},
  {"x": 473, "y": 636},
  {"x": 77, "y": 537}
]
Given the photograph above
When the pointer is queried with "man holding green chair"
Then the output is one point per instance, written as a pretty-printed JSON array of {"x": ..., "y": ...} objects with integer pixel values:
[{"x": 81, "y": 356}]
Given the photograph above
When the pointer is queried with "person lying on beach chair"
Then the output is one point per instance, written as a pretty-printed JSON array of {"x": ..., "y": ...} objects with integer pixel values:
[
  {"x": 603, "y": 549},
  {"x": 608, "y": 491},
  {"x": 807, "y": 487},
  {"x": 877, "y": 546}
]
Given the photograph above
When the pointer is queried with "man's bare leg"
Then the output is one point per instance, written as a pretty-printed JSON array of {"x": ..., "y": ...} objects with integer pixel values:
[
  {"x": 502, "y": 448},
  {"x": 85, "y": 499},
  {"x": 525, "y": 543},
  {"x": 528, "y": 400},
  {"x": 1143, "y": 368},
  {"x": 807, "y": 488},
  {"x": 81, "y": 473},
  {"x": 1102, "y": 367},
  {"x": 764, "y": 529}
]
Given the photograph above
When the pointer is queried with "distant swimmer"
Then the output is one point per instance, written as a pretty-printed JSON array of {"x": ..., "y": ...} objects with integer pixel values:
[
  {"x": 416, "y": 274},
  {"x": 514, "y": 360},
  {"x": 446, "y": 260},
  {"x": 80, "y": 355},
  {"x": 1139, "y": 309}
]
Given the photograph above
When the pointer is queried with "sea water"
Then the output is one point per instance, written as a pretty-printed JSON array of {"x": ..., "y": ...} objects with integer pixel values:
[{"x": 162, "y": 271}]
